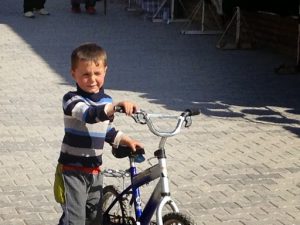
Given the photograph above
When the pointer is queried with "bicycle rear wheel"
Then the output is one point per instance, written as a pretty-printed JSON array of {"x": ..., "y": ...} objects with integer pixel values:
[
  {"x": 118, "y": 213},
  {"x": 176, "y": 218}
]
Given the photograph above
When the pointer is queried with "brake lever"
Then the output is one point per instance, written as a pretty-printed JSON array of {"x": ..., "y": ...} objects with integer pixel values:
[
  {"x": 139, "y": 117},
  {"x": 188, "y": 121}
]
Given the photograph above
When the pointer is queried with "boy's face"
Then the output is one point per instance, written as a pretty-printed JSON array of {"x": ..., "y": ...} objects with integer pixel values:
[{"x": 89, "y": 75}]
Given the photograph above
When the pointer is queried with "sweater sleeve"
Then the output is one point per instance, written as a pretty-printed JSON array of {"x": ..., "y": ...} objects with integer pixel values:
[
  {"x": 77, "y": 107},
  {"x": 113, "y": 136}
]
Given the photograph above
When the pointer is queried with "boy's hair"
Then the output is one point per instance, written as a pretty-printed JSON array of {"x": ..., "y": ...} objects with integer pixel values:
[{"x": 88, "y": 52}]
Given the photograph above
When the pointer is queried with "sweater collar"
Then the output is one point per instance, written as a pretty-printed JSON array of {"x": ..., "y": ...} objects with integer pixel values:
[{"x": 92, "y": 96}]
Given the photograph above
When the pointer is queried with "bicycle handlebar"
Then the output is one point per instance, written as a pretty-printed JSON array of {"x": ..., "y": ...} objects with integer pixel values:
[{"x": 143, "y": 117}]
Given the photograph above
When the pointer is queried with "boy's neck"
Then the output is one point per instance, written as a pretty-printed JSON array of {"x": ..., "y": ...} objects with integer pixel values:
[{"x": 92, "y": 96}]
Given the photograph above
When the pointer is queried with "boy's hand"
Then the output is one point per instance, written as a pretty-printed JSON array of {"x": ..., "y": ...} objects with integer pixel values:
[
  {"x": 133, "y": 144},
  {"x": 129, "y": 107}
]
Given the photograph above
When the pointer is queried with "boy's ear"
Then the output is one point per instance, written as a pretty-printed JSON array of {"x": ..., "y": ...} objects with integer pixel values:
[{"x": 72, "y": 72}]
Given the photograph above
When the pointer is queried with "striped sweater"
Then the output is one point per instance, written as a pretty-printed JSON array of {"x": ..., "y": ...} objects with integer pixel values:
[{"x": 87, "y": 127}]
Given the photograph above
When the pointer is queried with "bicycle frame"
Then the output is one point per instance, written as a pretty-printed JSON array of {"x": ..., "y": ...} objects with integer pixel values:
[{"x": 160, "y": 195}]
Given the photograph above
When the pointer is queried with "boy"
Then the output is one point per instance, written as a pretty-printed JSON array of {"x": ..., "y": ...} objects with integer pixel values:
[{"x": 88, "y": 116}]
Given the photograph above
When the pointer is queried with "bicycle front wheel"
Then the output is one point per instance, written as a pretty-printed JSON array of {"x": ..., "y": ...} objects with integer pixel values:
[
  {"x": 176, "y": 218},
  {"x": 117, "y": 214}
]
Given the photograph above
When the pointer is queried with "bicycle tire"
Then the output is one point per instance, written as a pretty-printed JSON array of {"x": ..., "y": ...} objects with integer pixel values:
[
  {"x": 118, "y": 213},
  {"x": 175, "y": 218}
]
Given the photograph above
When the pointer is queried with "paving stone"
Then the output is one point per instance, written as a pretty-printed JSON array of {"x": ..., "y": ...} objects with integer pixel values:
[{"x": 237, "y": 164}]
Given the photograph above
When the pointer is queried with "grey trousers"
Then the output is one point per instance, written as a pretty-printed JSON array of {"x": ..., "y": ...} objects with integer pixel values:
[{"x": 83, "y": 195}]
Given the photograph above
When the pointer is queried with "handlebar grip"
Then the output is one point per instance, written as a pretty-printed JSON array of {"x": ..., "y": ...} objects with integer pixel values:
[{"x": 192, "y": 112}]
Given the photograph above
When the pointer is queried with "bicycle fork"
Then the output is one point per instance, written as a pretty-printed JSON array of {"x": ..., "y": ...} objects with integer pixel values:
[
  {"x": 161, "y": 194},
  {"x": 163, "y": 187}
]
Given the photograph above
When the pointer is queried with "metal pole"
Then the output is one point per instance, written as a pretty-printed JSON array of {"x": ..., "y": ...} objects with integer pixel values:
[
  {"x": 203, "y": 16},
  {"x": 238, "y": 26},
  {"x": 298, "y": 41},
  {"x": 172, "y": 10}
]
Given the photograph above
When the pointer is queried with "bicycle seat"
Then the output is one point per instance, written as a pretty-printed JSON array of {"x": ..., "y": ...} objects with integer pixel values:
[{"x": 125, "y": 151}]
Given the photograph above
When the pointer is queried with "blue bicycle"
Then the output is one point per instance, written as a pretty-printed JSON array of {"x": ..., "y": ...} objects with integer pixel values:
[{"x": 116, "y": 204}]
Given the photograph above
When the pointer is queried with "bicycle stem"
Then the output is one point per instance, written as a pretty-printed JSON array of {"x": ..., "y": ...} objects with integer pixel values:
[{"x": 162, "y": 143}]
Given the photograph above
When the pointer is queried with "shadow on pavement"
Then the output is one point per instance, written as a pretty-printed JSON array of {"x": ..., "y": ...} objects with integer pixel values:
[{"x": 165, "y": 67}]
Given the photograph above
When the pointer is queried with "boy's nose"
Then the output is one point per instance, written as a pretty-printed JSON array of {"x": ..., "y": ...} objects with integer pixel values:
[{"x": 93, "y": 78}]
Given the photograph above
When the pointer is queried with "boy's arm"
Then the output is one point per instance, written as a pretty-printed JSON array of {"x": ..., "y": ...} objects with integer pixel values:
[
  {"x": 113, "y": 136},
  {"x": 77, "y": 107},
  {"x": 117, "y": 137}
]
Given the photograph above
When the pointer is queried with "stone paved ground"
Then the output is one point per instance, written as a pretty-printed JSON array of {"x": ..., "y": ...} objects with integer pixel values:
[{"x": 237, "y": 165}]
